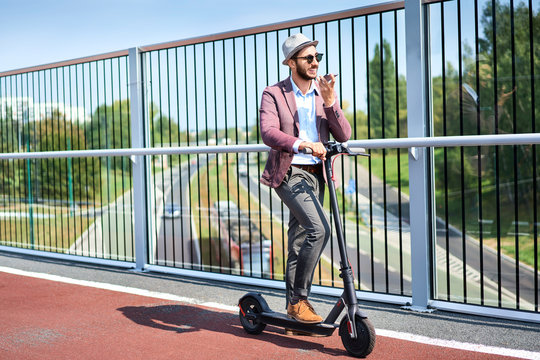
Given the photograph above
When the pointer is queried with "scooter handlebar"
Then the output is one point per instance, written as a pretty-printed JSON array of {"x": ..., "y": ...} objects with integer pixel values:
[{"x": 335, "y": 148}]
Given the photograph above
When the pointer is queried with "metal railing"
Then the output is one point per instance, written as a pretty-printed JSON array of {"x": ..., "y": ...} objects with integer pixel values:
[{"x": 150, "y": 158}]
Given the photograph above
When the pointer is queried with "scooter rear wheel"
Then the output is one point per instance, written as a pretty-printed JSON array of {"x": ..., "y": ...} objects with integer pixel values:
[
  {"x": 249, "y": 308},
  {"x": 365, "y": 340}
]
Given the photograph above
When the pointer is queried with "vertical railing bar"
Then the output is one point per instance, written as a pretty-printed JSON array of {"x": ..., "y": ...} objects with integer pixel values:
[
  {"x": 8, "y": 148},
  {"x": 59, "y": 166},
  {"x": 355, "y": 134},
  {"x": 246, "y": 110},
  {"x": 371, "y": 239},
  {"x": 445, "y": 154},
  {"x": 219, "y": 254},
  {"x": 227, "y": 157},
  {"x": 13, "y": 149},
  {"x": 47, "y": 170},
  {"x": 383, "y": 119},
  {"x": 533, "y": 117},
  {"x": 162, "y": 162},
  {"x": 122, "y": 161},
  {"x": 479, "y": 154},
  {"x": 129, "y": 164},
  {"x": 41, "y": 193},
  {"x": 497, "y": 180},
  {"x": 114, "y": 172},
  {"x": 331, "y": 223},
  {"x": 170, "y": 162},
  {"x": 189, "y": 158},
  {"x": 461, "y": 151},
  {"x": 9, "y": 132},
  {"x": 23, "y": 223},
  {"x": 38, "y": 163},
  {"x": 21, "y": 174},
  {"x": 35, "y": 162},
  {"x": 63, "y": 161},
  {"x": 258, "y": 153},
  {"x": 66, "y": 161},
  {"x": 8, "y": 121},
  {"x": 3, "y": 239},
  {"x": 68, "y": 146},
  {"x": 400, "y": 224},
  {"x": 3, "y": 120},
  {"x": 197, "y": 142},
  {"x": 514, "y": 147},
  {"x": 41, "y": 162},
  {"x": 236, "y": 155},
  {"x": 25, "y": 172},
  {"x": 101, "y": 159},
  {"x": 30, "y": 198},
  {"x": 180, "y": 158},
  {"x": 93, "y": 160},
  {"x": 153, "y": 144},
  {"x": 72, "y": 204},
  {"x": 108, "y": 158},
  {"x": 20, "y": 135},
  {"x": 342, "y": 159},
  {"x": 16, "y": 173},
  {"x": 207, "y": 159},
  {"x": 85, "y": 148},
  {"x": 283, "y": 238},
  {"x": 15, "y": 131},
  {"x": 80, "y": 161}
]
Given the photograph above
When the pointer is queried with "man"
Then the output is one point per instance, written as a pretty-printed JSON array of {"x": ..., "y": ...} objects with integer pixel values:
[{"x": 295, "y": 114}]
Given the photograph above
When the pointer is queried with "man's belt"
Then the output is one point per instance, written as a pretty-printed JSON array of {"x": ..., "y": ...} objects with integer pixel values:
[{"x": 313, "y": 169}]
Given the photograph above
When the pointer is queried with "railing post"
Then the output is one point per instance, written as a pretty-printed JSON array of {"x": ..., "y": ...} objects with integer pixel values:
[
  {"x": 419, "y": 172},
  {"x": 138, "y": 162}
]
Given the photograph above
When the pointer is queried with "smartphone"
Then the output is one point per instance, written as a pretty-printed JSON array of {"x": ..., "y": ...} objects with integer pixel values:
[{"x": 328, "y": 77}]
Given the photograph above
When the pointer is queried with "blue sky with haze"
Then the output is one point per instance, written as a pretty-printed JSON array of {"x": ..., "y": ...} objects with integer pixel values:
[{"x": 39, "y": 32}]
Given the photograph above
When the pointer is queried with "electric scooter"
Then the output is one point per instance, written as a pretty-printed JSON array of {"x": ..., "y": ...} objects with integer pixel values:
[{"x": 356, "y": 331}]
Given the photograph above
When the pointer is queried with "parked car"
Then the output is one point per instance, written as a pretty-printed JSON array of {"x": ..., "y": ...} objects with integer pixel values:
[{"x": 171, "y": 211}]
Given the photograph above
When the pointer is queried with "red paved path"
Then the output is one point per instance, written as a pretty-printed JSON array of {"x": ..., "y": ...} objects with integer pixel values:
[{"x": 42, "y": 319}]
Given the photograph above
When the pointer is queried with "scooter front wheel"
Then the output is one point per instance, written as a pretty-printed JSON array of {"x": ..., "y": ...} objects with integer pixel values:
[
  {"x": 249, "y": 310},
  {"x": 365, "y": 340}
]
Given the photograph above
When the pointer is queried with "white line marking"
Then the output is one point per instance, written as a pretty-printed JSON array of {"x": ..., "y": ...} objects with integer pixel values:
[
  {"x": 524, "y": 354},
  {"x": 459, "y": 345}
]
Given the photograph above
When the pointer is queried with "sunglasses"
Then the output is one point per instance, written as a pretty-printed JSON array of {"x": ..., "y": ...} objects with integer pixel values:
[{"x": 310, "y": 58}]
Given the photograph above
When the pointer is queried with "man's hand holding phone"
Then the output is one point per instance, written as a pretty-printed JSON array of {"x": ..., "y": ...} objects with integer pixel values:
[{"x": 326, "y": 85}]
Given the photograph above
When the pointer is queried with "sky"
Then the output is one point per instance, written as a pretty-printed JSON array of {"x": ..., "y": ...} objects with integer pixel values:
[{"x": 36, "y": 32}]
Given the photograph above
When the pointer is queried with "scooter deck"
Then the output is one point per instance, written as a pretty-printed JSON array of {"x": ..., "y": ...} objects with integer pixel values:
[{"x": 282, "y": 320}]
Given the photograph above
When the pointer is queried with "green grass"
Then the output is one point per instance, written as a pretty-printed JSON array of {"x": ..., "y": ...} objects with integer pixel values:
[
  {"x": 57, "y": 233},
  {"x": 377, "y": 166}
]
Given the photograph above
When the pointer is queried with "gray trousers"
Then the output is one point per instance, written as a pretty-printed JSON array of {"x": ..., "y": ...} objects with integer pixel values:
[{"x": 309, "y": 227}]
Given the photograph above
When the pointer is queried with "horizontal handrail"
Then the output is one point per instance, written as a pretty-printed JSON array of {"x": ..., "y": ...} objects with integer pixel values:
[{"x": 393, "y": 143}]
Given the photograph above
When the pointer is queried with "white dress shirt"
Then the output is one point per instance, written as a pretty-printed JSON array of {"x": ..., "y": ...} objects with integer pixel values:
[{"x": 307, "y": 119}]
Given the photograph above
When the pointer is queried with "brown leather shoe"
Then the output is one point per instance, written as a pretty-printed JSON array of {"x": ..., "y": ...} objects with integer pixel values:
[{"x": 303, "y": 312}]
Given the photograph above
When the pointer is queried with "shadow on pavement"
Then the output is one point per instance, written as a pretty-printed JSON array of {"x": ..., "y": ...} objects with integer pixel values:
[{"x": 183, "y": 319}]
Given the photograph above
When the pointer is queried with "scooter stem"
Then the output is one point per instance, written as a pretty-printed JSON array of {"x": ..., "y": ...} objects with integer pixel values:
[
  {"x": 335, "y": 210},
  {"x": 349, "y": 293}
]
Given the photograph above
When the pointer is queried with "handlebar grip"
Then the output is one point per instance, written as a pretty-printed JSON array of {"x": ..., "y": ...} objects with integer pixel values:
[{"x": 306, "y": 151}]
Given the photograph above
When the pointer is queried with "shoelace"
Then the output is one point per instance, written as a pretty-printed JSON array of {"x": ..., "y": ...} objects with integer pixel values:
[{"x": 310, "y": 306}]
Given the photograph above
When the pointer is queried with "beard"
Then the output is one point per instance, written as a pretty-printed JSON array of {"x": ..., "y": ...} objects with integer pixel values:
[{"x": 303, "y": 73}]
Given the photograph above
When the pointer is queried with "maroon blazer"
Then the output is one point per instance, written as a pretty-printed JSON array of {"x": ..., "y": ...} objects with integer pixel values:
[{"x": 280, "y": 128}]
